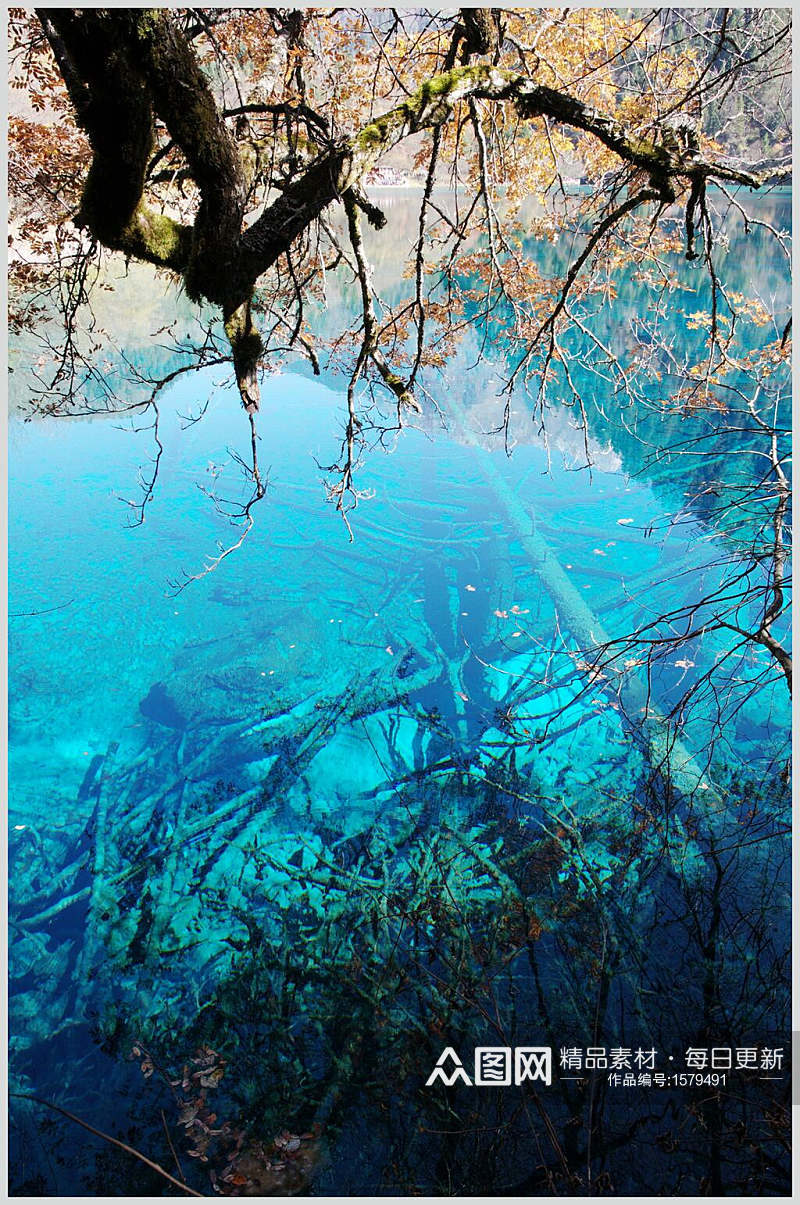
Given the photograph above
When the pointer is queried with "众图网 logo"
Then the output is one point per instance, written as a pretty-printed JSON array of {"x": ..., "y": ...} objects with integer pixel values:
[{"x": 495, "y": 1067}]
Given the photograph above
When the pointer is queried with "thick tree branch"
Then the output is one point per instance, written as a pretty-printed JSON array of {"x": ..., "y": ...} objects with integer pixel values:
[
  {"x": 115, "y": 109},
  {"x": 182, "y": 98},
  {"x": 329, "y": 177}
]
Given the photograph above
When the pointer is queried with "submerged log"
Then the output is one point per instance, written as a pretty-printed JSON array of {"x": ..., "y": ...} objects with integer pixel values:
[
  {"x": 146, "y": 852},
  {"x": 666, "y": 753}
]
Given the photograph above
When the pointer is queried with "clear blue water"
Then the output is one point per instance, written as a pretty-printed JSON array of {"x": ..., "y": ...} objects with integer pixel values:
[{"x": 339, "y": 804}]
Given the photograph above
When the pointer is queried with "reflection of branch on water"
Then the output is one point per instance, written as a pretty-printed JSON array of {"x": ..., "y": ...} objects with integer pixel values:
[{"x": 43, "y": 611}]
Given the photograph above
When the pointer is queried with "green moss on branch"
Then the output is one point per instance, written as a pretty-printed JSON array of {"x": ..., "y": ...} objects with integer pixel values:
[
  {"x": 248, "y": 348},
  {"x": 157, "y": 239}
]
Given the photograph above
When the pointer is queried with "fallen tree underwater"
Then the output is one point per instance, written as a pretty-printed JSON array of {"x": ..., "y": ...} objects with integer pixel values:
[
  {"x": 242, "y": 894},
  {"x": 237, "y": 885},
  {"x": 226, "y": 769},
  {"x": 667, "y": 753}
]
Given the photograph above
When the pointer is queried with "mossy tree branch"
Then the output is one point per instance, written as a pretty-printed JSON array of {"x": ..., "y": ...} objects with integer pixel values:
[
  {"x": 114, "y": 107},
  {"x": 123, "y": 69},
  {"x": 183, "y": 100},
  {"x": 430, "y": 107}
]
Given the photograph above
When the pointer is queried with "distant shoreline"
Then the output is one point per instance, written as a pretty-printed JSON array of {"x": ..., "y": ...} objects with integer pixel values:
[{"x": 417, "y": 186}]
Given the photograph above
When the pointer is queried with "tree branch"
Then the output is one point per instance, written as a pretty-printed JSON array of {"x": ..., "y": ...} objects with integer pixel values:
[
  {"x": 116, "y": 112},
  {"x": 330, "y": 176},
  {"x": 182, "y": 98}
]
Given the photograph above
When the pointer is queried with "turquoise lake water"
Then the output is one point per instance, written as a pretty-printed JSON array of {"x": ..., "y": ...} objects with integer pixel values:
[{"x": 340, "y": 804}]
